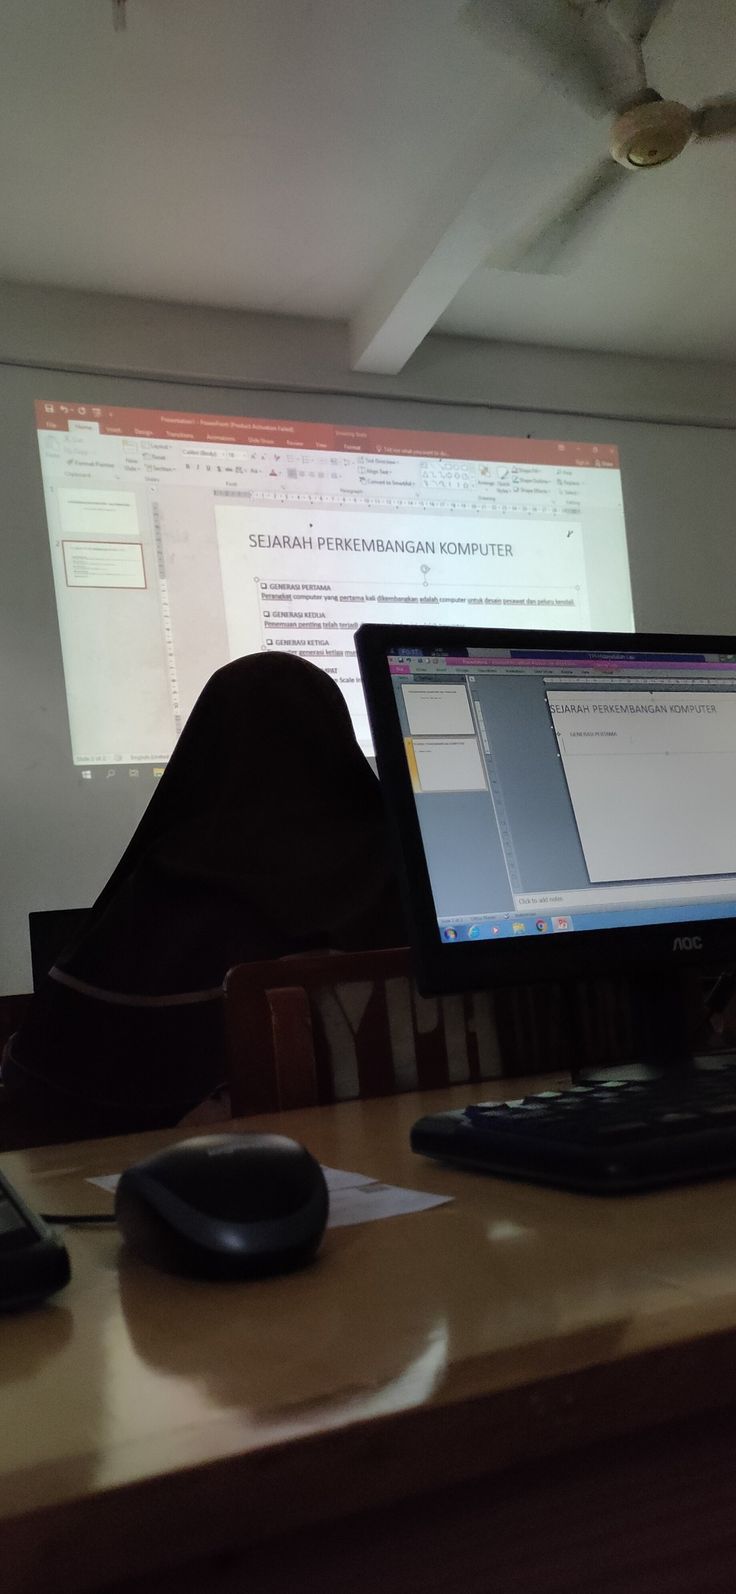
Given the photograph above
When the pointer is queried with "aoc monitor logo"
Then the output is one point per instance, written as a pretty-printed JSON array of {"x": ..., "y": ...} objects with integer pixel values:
[{"x": 687, "y": 943}]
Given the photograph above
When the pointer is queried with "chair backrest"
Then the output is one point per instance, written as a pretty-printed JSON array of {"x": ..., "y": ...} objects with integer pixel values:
[{"x": 331, "y": 1027}]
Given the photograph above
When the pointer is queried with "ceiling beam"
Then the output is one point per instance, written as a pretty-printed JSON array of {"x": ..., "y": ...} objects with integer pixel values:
[{"x": 504, "y": 182}]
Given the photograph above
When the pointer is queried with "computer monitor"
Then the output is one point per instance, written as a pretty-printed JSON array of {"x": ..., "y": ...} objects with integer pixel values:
[{"x": 563, "y": 805}]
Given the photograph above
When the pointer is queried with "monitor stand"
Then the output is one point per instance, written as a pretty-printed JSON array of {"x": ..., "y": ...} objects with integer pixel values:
[{"x": 667, "y": 1008}]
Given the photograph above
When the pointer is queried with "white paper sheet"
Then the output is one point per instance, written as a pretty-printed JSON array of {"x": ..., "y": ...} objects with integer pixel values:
[
  {"x": 354, "y": 1197},
  {"x": 362, "y": 1203}
]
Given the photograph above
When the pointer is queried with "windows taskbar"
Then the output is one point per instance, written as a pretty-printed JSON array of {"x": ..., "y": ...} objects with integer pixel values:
[
  {"x": 604, "y": 919},
  {"x": 143, "y": 771}
]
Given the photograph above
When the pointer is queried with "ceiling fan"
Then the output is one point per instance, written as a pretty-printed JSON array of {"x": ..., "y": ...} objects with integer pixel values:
[{"x": 592, "y": 51}]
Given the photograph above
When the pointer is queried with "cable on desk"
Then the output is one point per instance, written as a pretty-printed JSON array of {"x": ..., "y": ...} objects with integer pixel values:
[{"x": 78, "y": 1217}]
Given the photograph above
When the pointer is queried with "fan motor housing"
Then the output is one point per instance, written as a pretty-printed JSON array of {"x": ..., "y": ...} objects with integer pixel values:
[{"x": 649, "y": 135}]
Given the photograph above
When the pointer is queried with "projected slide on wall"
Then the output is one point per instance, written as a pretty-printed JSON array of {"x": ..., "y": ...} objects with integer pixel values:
[{"x": 181, "y": 541}]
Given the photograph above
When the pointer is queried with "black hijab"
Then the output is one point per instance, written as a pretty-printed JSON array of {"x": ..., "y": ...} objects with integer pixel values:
[{"x": 265, "y": 835}]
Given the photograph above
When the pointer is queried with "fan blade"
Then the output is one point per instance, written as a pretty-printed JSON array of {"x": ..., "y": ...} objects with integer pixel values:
[
  {"x": 550, "y": 248},
  {"x": 574, "y": 44},
  {"x": 716, "y": 119}
]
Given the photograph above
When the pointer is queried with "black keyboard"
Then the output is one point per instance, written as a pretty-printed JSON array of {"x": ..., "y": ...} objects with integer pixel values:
[
  {"x": 33, "y": 1260},
  {"x": 607, "y": 1138}
]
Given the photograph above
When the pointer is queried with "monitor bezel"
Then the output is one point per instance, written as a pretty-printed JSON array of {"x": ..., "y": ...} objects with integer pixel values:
[{"x": 442, "y": 966}]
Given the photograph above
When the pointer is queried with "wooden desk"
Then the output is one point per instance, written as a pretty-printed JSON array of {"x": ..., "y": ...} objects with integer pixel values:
[{"x": 522, "y": 1390}]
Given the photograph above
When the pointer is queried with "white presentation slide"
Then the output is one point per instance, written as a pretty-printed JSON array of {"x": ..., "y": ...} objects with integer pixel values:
[
  {"x": 92, "y": 513},
  {"x": 448, "y": 763},
  {"x": 180, "y": 541},
  {"x": 438, "y": 710},
  {"x": 304, "y": 580},
  {"x": 104, "y": 564},
  {"x": 652, "y": 781}
]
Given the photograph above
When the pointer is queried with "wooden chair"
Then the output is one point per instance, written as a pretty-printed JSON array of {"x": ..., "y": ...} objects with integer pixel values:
[{"x": 331, "y": 1027}]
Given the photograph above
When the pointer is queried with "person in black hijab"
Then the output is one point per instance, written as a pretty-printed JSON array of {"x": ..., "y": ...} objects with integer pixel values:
[{"x": 264, "y": 838}]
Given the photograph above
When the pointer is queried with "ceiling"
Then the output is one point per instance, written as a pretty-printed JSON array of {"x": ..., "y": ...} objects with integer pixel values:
[{"x": 354, "y": 159}]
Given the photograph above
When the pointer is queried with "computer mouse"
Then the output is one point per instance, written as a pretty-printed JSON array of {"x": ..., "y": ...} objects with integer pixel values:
[{"x": 232, "y": 1206}]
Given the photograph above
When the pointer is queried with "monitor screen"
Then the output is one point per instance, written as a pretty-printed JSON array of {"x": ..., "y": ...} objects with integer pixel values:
[
  {"x": 578, "y": 792},
  {"x": 180, "y": 541}
]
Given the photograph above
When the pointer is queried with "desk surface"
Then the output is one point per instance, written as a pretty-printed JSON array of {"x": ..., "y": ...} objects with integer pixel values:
[{"x": 417, "y": 1352}]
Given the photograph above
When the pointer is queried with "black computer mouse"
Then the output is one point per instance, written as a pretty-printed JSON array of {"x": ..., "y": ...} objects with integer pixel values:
[{"x": 234, "y": 1206}]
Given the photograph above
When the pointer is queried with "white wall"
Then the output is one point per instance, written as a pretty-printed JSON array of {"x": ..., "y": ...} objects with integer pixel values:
[
  {"x": 674, "y": 422},
  {"x": 78, "y": 331}
]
